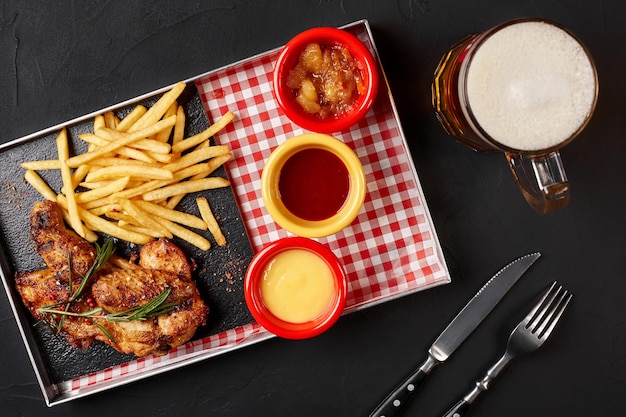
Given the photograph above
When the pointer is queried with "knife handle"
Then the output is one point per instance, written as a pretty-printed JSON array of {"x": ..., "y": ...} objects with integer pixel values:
[{"x": 399, "y": 397}]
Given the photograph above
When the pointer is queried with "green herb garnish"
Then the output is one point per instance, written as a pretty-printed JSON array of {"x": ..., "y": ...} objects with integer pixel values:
[
  {"x": 155, "y": 307},
  {"x": 54, "y": 315},
  {"x": 103, "y": 253}
]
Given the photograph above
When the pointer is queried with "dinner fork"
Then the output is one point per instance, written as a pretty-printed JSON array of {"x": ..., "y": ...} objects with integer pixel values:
[{"x": 527, "y": 337}]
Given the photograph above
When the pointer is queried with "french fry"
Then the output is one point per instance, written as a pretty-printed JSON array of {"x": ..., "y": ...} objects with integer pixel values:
[
  {"x": 204, "y": 135},
  {"x": 102, "y": 225},
  {"x": 124, "y": 219},
  {"x": 130, "y": 118},
  {"x": 93, "y": 185},
  {"x": 209, "y": 219},
  {"x": 173, "y": 201},
  {"x": 79, "y": 174},
  {"x": 186, "y": 187},
  {"x": 134, "y": 182},
  {"x": 210, "y": 166},
  {"x": 103, "y": 191},
  {"x": 136, "y": 154},
  {"x": 62, "y": 201},
  {"x": 140, "y": 229},
  {"x": 196, "y": 156},
  {"x": 123, "y": 263},
  {"x": 111, "y": 161},
  {"x": 190, "y": 171},
  {"x": 66, "y": 176},
  {"x": 196, "y": 171},
  {"x": 78, "y": 160},
  {"x": 164, "y": 135},
  {"x": 201, "y": 170},
  {"x": 158, "y": 109},
  {"x": 111, "y": 229},
  {"x": 142, "y": 218},
  {"x": 142, "y": 144},
  {"x": 106, "y": 209},
  {"x": 135, "y": 171},
  {"x": 98, "y": 122},
  {"x": 93, "y": 139},
  {"x": 90, "y": 205},
  {"x": 217, "y": 162},
  {"x": 109, "y": 120},
  {"x": 176, "y": 216},
  {"x": 139, "y": 190},
  {"x": 179, "y": 130},
  {"x": 164, "y": 158},
  {"x": 128, "y": 152},
  {"x": 42, "y": 165},
  {"x": 186, "y": 234},
  {"x": 90, "y": 236},
  {"x": 40, "y": 185}
]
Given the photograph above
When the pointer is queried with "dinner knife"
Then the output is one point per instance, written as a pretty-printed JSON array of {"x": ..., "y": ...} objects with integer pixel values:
[{"x": 457, "y": 331}]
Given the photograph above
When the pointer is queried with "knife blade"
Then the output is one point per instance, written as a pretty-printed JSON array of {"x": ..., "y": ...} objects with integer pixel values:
[{"x": 457, "y": 331}]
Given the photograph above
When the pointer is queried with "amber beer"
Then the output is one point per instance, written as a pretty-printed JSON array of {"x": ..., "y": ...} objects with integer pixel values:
[
  {"x": 446, "y": 99},
  {"x": 525, "y": 88}
]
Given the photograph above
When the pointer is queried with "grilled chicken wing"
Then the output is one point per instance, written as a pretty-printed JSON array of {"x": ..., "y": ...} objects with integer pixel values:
[
  {"x": 54, "y": 242},
  {"x": 120, "y": 285}
]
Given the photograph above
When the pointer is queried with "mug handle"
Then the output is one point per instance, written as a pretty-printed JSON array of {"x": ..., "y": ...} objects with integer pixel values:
[{"x": 542, "y": 180}]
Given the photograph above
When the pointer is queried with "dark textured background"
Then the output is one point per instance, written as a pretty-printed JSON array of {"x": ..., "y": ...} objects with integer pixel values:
[{"x": 60, "y": 60}]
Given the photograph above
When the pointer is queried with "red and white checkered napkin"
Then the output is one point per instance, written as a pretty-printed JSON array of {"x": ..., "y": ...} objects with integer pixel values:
[{"x": 390, "y": 250}]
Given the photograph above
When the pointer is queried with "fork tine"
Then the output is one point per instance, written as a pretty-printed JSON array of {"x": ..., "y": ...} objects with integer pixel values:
[
  {"x": 556, "y": 315},
  {"x": 532, "y": 317},
  {"x": 543, "y": 318}
]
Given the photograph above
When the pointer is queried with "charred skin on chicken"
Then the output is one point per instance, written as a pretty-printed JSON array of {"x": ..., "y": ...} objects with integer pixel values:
[{"x": 119, "y": 285}]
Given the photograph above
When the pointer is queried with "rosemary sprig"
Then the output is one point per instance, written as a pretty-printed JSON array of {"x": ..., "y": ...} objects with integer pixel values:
[
  {"x": 103, "y": 253},
  {"x": 155, "y": 307},
  {"x": 56, "y": 314}
]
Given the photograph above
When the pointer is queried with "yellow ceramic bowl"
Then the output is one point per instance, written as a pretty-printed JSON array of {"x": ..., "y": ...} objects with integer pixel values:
[{"x": 271, "y": 189}]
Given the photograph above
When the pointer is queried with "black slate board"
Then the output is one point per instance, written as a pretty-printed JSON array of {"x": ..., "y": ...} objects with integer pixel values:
[{"x": 219, "y": 271}]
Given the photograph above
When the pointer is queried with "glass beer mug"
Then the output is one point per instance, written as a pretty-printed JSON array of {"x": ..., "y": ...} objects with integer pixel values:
[{"x": 525, "y": 88}]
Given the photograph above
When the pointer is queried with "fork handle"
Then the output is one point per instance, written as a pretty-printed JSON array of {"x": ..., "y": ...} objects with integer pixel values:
[
  {"x": 462, "y": 407},
  {"x": 458, "y": 410}
]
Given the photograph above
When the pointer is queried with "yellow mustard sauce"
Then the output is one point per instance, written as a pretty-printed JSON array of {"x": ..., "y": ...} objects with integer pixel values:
[{"x": 297, "y": 286}]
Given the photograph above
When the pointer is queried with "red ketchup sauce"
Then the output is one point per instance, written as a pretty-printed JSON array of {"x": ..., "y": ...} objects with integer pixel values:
[{"x": 314, "y": 184}]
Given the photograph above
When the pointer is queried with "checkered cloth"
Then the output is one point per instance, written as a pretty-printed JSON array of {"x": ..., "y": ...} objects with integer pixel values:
[{"x": 390, "y": 250}]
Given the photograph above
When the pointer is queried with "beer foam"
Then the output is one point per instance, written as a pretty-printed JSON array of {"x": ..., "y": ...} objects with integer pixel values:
[{"x": 531, "y": 86}]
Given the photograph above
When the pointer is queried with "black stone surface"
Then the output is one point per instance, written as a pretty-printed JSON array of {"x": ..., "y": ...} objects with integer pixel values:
[{"x": 60, "y": 60}]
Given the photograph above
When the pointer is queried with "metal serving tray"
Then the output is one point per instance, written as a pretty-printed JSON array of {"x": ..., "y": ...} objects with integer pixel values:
[{"x": 389, "y": 251}]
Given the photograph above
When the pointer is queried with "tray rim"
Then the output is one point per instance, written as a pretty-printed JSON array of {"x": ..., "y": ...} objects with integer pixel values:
[{"x": 61, "y": 392}]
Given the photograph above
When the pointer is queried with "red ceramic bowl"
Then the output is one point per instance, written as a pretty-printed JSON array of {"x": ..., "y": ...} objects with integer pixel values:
[
  {"x": 287, "y": 60},
  {"x": 259, "y": 308}
]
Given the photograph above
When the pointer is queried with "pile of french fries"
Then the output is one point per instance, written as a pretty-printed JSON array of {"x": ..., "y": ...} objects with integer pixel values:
[{"x": 135, "y": 172}]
